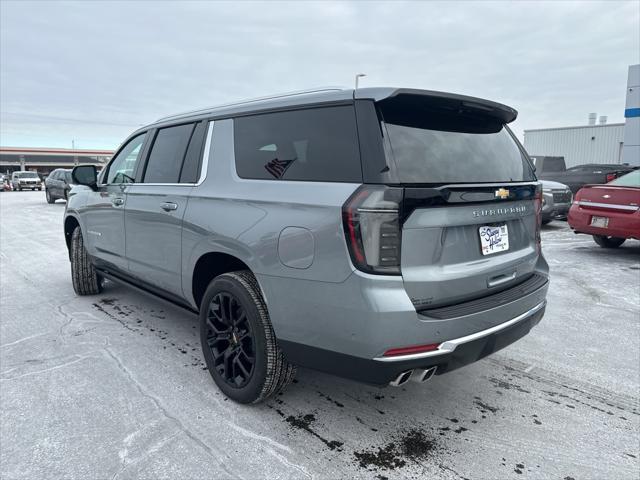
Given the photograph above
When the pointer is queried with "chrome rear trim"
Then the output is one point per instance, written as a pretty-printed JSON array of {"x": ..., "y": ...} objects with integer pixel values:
[{"x": 450, "y": 345}]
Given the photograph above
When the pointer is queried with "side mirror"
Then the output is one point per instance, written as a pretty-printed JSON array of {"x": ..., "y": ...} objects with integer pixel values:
[{"x": 85, "y": 175}]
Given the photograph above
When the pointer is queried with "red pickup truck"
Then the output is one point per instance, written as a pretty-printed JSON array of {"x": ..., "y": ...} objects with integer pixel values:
[{"x": 610, "y": 212}]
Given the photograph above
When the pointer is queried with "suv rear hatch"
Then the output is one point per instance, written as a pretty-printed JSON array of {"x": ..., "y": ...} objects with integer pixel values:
[{"x": 467, "y": 200}]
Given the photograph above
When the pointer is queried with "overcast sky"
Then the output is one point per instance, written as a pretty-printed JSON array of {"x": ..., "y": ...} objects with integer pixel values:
[{"x": 94, "y": 71}]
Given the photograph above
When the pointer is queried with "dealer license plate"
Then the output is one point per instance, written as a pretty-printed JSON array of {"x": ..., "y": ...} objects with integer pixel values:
[
  {"x": 494, "y": 239},
  {"x": 601, "y": 222}
]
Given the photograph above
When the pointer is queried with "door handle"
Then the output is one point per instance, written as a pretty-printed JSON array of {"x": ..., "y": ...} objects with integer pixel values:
[
  {"x": 169, "y": 206},
  {"x": 118, "y": 201}
]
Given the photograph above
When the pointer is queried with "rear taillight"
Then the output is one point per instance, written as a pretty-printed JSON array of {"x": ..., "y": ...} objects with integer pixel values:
[
  {"x": 371, "y": 219},
  {"x": 611, "y": 176}
]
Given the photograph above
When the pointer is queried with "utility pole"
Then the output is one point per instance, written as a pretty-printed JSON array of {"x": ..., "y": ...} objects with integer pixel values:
[{"x": 358, "y": 76}]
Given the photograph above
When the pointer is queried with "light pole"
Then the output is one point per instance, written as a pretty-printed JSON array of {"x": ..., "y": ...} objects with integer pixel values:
[{"x": 358, "y": 75}]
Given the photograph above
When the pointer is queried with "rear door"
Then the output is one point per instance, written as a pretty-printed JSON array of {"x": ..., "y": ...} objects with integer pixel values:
[
  {"x": 470, "y": 212},
  {"x": 156, "y": 206}
]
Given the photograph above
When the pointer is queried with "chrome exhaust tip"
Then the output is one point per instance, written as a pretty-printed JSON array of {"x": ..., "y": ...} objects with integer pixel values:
[
  {"x": 401, "y": 379},
  {"x": 421, "y": 375}
]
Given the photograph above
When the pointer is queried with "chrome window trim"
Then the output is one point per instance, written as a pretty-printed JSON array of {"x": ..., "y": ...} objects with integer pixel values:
[
  {"x": 449, "y": 346},
  {"x": 203, "y": 169},
  {"x": 613, "y": 206}
]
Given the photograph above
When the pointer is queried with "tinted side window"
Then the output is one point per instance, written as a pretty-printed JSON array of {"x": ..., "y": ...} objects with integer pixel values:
[
  {"x": 122, "y": 168},
  {"x": 167, "y": 154},
  {"x": 192, "y": 160},
  {"x": 317, "y": 144}
]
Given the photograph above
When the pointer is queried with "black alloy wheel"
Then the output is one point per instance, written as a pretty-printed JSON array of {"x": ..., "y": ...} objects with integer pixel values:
[
  {"x": 230, "y": 340},
  {"x": 238, "y": 341}
]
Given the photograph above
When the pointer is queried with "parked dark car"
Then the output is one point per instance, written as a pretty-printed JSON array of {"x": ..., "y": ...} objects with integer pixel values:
[
  {"x": 58, "y": 184},
  {"x": 556, "y": 200},
  {"x": 553, "y": 168},
  {"x": 611, "y": 213}
]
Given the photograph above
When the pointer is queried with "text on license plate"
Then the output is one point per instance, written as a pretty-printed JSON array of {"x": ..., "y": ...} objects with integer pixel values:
[
  {"x": 494, "y": 239},
  {"x": 601, "y": 222}
]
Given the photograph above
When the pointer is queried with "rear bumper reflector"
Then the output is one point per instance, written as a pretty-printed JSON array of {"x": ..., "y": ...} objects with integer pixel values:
[
  {"x": 450, "y": 345},
  {"x": 411, "y": 350}
]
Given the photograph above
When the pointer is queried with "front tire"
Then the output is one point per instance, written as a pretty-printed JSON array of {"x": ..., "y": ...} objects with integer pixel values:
[
  {"x": 238, "y": 341},
  {"x": 608, "y": 242},
  {"x": 50, "y": 199},
  {"x": 86, "y": 280}
]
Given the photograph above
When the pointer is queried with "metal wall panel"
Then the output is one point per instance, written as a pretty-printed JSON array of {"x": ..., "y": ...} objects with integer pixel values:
[{"x": 578, "y": 145}]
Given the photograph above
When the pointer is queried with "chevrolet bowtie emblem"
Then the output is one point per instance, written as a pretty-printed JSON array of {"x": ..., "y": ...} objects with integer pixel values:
[{"x": 502, "y": 193}]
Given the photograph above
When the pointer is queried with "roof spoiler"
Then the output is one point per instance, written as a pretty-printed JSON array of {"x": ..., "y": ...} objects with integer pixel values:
[{"x": 450, "y": 101}]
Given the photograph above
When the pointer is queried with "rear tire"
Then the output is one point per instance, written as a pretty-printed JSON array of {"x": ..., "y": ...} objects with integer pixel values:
[
  {"x": 50, "y": 199},
  {"x": 546, "y": 222},
  {"x": 238, "y": 341},
  {"x": 608, "y": 242},
  {"x": 86, "y": 280}
]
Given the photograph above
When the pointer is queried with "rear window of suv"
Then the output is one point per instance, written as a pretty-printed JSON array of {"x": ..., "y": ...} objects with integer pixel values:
[
  {"x": 319, "y": 144},
  {"x": 439, "y": 147}
]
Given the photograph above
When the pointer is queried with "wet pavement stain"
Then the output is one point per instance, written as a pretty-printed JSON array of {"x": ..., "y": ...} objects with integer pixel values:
[
  {"x": 508, "y": 385},
  {"x": 329, "y": 399},
  {"x": 484, "y": 407},
  {"x": 413, "y": 446},
  {"x": 303, "y": 422},
  {"x": 119, "y": 312}
]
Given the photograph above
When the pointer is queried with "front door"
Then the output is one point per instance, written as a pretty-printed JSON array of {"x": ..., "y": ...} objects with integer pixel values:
[{"x": 104, "y": 211}]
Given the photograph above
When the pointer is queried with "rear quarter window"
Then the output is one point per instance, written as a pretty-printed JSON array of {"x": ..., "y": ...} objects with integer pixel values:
[{"x": 319, "y": 144}]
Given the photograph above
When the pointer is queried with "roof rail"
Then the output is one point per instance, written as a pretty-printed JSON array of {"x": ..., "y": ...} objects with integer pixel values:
[{"x": 251, "y": 100}]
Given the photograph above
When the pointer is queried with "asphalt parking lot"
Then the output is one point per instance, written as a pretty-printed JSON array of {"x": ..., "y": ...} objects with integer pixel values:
[{"x": 113, "y": 386}]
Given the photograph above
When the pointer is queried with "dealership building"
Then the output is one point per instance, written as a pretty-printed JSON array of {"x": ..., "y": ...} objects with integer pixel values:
[
  {"x": 598, "y": 141},
  {"x": 44, "y": 160}
]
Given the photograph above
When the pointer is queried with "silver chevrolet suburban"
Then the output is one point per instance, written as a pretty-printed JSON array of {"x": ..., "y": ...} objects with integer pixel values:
[{"x": 382, "y": 234}]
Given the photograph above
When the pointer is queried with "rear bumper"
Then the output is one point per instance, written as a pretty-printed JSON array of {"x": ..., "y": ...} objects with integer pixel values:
[
  {"x": 344, "y": 328},
  {"x": 622, "y": 225},
  {"x": 451, "y": 355}
]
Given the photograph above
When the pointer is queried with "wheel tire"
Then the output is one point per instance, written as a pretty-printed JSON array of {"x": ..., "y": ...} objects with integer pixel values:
[
  {"x": 50, "y": 199},
  {"x": 86, "y": 280},
  {"x": 39, "y": 189},
  {"x": 66, "y": 195},
  {"x": 223, "y": 338},
  {"x": 546, "y": 222},
  {"x": 608, "y": 242}
]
